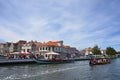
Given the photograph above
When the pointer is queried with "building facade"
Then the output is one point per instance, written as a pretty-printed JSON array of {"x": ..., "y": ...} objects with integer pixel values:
[
  {"x": 38, "y": 49},
  {"x": 57, "y": 47}
]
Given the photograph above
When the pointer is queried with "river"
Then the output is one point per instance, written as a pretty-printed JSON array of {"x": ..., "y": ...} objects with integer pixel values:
[{"x": 80, "y": 70}]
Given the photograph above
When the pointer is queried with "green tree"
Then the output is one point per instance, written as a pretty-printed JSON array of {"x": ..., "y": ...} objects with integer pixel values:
[
  {"x": 110, "y": 51},
  {"x": 96, "y": 50},
  {"x": 118, "y": 52}
]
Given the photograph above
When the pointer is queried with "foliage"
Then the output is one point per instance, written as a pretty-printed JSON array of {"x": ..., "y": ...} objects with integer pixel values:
[
  {"x": 110, "y": 51},
  {"x": 96, "y": 50},
  {"x": 118, "y": 52}
]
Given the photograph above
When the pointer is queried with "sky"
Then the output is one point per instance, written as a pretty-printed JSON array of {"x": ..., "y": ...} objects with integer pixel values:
[{"x": 79, "y": 23}]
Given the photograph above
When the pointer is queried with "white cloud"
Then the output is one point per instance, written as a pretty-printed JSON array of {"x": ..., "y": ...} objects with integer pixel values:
[{"x": 80, "y": 23}]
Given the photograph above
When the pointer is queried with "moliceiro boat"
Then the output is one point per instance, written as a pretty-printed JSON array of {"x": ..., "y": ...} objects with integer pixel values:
[
  {"x": 54, "y": 61},
  {"x": 99, "y": 61}
]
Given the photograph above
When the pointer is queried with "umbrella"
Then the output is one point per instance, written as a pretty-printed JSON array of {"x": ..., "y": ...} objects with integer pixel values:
[
  {"x": 52, "y": 53},
  {"x": 15, "y": 53},
  {"x": 25, "y": 53}
]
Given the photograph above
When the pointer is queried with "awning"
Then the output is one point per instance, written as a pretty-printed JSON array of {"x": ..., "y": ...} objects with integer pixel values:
[{"x": 52, "y": 53}]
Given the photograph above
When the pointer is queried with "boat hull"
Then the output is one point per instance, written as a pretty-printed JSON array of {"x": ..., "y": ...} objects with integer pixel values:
[
  {"x": 53, "y": 61},
  {"x": 100, "y": 63}
]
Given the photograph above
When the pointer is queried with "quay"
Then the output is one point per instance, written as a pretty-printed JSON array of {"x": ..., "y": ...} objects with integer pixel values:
[{"x": 15, "y": 61}]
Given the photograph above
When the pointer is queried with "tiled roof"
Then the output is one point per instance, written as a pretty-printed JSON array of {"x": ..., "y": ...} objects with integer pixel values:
[
  {"x": 22, "y": 42},
  {"x": 66, "y": 46},
  {"x": 38, "y": 43},
  {"x": 35, "y": 43},
  {"x": 50, "y": 43}
]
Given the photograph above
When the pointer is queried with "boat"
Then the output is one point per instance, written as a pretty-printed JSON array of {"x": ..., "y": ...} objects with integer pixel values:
[
  {"x": 99, "y": 61},
  {"x": 54, "y": 61}
]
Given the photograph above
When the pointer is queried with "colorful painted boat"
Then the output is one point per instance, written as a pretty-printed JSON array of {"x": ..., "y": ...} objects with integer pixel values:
[
  {"x": 57, "y": 61},
  {"x": 92, "y": 62}
]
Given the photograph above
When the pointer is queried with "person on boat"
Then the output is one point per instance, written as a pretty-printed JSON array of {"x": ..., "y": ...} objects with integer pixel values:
[
  {"x": 91, "y": 61},
  {"x": 95, "y": 61},
  {"x": 98, "y": 60},
  {"x": 104, "y": 60}
]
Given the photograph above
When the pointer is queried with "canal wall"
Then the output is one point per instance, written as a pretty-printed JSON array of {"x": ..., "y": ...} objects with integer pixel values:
[{"x": 15, "y": 61}]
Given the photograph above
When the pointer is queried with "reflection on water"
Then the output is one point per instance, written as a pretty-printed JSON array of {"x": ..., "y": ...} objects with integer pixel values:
[{"x": 79, "y": 70}]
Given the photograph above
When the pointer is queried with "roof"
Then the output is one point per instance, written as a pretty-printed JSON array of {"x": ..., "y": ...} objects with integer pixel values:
[
  {"x": 22, "y": 42},
  {"x": 66, "y": 46},
  {"x": 51, "y": 43}
]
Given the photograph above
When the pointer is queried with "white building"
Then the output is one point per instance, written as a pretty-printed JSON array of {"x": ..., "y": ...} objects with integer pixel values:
[
  {"x": 26, "y": 48},
  {"x": 57, "y": 47}
]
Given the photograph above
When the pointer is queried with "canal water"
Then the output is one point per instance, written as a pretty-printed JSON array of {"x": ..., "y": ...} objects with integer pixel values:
[{"x": 80, "y": 70}]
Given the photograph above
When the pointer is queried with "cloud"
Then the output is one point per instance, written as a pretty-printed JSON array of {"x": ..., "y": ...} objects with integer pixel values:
[{"x": 80, "y": 23}]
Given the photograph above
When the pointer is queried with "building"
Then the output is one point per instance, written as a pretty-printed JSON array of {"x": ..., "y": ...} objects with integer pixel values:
[
  {"x": 103, "y": 52},
  {"x": 12, "y": 50},
  {"x": 50, "y": 46},
  {"x": 88, "y": 51},
  {"x": 57, "y": 47},
  {"x": 19, "y": 44},
  {"x": 23, "y": 48},
  {"x": 1, "y": 49},
  {"x": 8, "y": 48}
]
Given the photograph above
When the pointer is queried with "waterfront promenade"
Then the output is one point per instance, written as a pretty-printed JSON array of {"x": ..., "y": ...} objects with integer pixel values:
[{"x": 15, "y": 61}]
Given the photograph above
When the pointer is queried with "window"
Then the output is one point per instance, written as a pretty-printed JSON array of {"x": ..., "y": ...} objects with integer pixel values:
[
  {"x": 46, "y": 55},
  {"x": 40, "y": 48},
  {"x": 28, "y": 50},
  {"x": 49, "y": 48},
  {"x": 23, "y": 50}
]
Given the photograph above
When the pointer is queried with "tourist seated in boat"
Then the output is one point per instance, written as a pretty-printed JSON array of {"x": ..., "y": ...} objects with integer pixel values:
[
  {"x": 93, "y": 61},
  {"x": 99, "y": 61}
]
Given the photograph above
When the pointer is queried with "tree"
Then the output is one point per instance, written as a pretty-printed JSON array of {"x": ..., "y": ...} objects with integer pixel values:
[
  {"x": 96, "y": 50},
  {"x": 110, "y": 51},
  {"x": 118, "y": 52}
]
